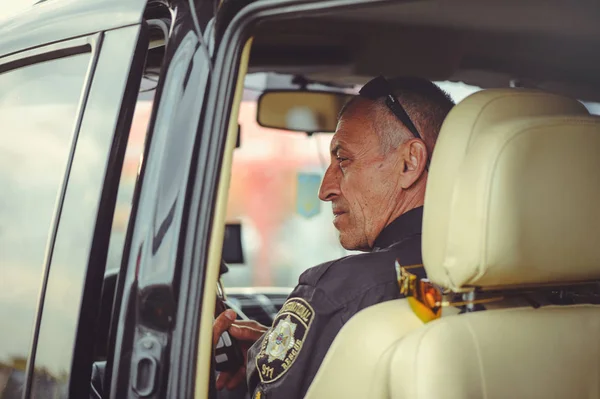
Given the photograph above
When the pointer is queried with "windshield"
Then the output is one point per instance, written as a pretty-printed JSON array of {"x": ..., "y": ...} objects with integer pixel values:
[{"x": 273, "y": 194}]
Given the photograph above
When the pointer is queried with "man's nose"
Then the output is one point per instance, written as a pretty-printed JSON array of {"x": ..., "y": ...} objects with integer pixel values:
[{"x": 330, "y": 187}]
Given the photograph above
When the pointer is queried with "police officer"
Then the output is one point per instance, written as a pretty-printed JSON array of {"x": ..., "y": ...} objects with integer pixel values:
[{"x": 376, "y": 184}]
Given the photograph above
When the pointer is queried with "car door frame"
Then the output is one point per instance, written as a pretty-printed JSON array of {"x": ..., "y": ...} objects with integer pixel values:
[{"x": 148, "y": 280}]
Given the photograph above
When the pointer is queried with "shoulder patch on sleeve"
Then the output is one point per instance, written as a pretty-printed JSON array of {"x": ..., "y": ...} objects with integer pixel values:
[{"x": 283, "y": 342}]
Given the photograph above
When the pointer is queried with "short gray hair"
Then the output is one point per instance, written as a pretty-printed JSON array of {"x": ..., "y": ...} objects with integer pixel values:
[{"x": 425, "y": 103}]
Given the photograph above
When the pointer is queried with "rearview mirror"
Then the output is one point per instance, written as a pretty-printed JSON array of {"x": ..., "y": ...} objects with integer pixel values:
[{"x": 300, "y": 111}]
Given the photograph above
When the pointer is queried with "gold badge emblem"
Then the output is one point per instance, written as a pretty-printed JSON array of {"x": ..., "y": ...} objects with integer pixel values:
[
  {"x": 281, "y": 339},
  {"x": 282, "y": 344}
]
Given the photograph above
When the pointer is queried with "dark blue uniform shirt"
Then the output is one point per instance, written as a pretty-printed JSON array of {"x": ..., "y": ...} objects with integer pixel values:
[{"x": 283, "y": 363}]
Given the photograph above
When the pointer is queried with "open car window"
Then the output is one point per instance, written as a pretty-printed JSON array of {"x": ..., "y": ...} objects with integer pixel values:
[
  {"x": 285, "y": 228},
  {"x": 273, "y": 195},
  {"x": 276, "y": 176}
]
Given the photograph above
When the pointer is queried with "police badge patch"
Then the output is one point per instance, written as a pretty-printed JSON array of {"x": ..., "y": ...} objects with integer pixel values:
[{"x": 283, "y": 342}]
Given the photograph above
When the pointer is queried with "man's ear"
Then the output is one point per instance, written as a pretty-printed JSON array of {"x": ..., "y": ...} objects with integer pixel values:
[{"x": 414, "y": 159}]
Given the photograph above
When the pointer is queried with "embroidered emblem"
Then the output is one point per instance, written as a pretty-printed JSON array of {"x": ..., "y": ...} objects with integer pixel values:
[
  {"x": 282, "y": 344},
  {"x": 281, "y": 339}
]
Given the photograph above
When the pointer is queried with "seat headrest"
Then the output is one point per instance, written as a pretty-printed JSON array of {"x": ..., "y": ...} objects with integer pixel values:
[{"x": 504, "y": 179}]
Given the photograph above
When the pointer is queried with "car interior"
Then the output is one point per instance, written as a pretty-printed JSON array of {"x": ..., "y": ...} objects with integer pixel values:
[
  {"x": 509, "y": 214},
  {"x": 484, "y": 234}
]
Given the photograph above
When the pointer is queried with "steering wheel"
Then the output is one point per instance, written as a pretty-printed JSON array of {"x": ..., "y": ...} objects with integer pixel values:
[{"x": 222, "y": 303}]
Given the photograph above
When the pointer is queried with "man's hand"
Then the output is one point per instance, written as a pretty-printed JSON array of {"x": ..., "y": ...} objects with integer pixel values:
[{"x": 247, "y": 332}]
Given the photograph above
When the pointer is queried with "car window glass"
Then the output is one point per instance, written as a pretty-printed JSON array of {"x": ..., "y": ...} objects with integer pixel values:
[
  {"x": 273, "y": 195},
  {"x": 64, "y": 340},
  {"x": 38, "y": 109}
]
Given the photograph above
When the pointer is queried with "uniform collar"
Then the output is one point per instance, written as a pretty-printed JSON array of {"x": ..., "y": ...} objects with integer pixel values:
[{"x": 405, "y": 225}]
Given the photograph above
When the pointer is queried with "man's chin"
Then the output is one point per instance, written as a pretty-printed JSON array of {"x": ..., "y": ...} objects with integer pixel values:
[{"x": 352, "y": 245}]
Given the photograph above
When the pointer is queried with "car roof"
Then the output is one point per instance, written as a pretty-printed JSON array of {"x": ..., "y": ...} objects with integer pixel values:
[{"x": 56, "y": 20}]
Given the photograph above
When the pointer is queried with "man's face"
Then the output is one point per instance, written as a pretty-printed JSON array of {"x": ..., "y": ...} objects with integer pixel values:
[{"x": 361, "y": 182}]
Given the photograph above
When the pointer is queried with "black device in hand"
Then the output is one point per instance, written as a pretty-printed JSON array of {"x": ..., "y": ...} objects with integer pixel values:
[{"x": 228, "y": 355}]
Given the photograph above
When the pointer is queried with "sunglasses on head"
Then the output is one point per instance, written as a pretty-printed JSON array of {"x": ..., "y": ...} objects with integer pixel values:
[
  {"x": 381, "y": 87},
  {"x": 427, "y": 299}
]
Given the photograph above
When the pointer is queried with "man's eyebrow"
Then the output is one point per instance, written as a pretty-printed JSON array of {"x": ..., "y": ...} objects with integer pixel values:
[{"x": 335, "y": 149}]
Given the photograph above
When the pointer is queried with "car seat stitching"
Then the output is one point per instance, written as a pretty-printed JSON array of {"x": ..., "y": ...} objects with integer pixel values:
[{"x": 479, "y": 358}]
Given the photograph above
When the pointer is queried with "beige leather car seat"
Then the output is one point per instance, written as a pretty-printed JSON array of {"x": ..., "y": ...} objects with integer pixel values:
[{"x": 504, "y": 178}]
